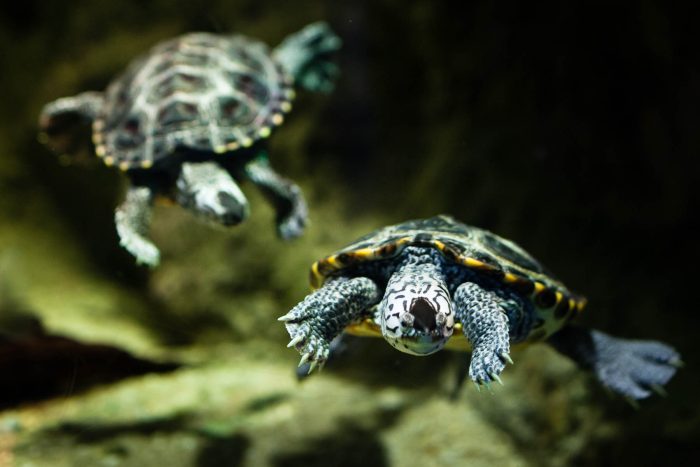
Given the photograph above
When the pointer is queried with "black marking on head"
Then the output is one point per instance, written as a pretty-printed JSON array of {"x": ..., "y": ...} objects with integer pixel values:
[
  {"x": 391, "y": 306},
  {"x": 545, "y": 299},
  {"x": 424, "y": 315},
  {"x": 393, "y": 330}
]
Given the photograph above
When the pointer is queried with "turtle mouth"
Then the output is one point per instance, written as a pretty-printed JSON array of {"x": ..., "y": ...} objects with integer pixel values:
[
  {"x": 422, "y": 319},
  {"x": 422, "y": 344},
  {"x": 423, "y": 315}
]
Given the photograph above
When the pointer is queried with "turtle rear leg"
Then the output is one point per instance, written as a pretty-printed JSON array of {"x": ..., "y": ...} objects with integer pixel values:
[
  {"x": 485, "y": 324},
  {"x": 306, "y": 55},
  {"x": 285, "y": 196},
  {"x": 133, "y": 218},
  {"x": 85, "y": 106},
  {"x": 632, "y": 368},
  {"x": 324, "y": 313},
  {"x": 64, "y": 123},
  {"x": 61, "y": 120}
]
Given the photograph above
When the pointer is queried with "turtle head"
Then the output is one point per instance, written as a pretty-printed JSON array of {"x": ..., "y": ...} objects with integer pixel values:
[
  {"x": 416, "y": 314},
  {"x": 208, "y": 190}
]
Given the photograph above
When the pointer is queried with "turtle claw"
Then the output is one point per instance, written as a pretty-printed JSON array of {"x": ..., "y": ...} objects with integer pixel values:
[
  {"x": 295, "y": 340},
  {"x": 486, "y": 366},
  {"x": 496, "y": 378},
  {"x": 506, "y": 358},
  {"x": 312, "y": 366},
  {"x": 287, "y": 318},
  {"x": 676, "y": 362},
  {"x": 658, "y": 389}
]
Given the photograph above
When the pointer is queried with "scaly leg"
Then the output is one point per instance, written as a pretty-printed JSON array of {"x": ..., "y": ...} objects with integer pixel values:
[
  {"x": 632, "y": 368},
  {"x": 485, "y": 325},
  {"x": 324, "y": 313},
  {"x": 285, "y": 196},
  {"x": 133, "y": 218}
]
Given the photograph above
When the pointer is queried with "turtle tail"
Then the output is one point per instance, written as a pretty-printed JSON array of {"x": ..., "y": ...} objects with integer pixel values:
[{"x": 307, "y": 56}]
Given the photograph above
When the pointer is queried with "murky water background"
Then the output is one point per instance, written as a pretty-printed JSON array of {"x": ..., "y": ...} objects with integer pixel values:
[{"x": 569, "y": 128}]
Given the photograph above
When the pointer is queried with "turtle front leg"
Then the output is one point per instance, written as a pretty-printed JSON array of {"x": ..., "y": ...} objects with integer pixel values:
[
  {"x": 485, "y": 325},
  {"x": 133, "y": 218},
  {"x": 632, "y": 368},
  {"x": 323, "y": 315},
  {"x": 306, "y": 55},
  {"x": 285, "y": 196}
]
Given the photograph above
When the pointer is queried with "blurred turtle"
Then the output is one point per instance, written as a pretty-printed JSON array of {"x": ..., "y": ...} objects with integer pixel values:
[
  {"x": 189, "y": 118},
  {"x": 418, "y": 282}
]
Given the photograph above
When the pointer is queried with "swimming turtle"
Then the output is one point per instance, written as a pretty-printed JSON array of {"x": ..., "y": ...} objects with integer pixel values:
[
  {"x": 419, "y": 282},
  {"x": 187, "y": 120}
]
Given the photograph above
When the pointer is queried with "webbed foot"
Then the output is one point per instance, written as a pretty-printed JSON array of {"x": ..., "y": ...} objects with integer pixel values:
[{"x": 632, "y": 368}]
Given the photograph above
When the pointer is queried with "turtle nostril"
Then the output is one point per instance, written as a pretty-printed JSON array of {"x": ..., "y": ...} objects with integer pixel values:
[
  {"x": 228, "y": 201},
  {"x": 424, "y": 315},
  {"x": 234, "y": 211}
]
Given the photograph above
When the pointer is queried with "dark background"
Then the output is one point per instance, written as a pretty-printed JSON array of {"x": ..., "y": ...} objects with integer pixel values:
[{"x": 569, "y": 127}]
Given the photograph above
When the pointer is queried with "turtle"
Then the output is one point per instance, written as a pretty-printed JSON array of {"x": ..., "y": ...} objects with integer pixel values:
[
  {"x": 189, "y": 119},
  {"x": 427, "y": 284}
]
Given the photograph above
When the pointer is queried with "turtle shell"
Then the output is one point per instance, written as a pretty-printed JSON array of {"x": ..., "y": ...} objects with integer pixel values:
[
  {"x": 471, "y": 247},
  {"x": 199, "y": 91}
]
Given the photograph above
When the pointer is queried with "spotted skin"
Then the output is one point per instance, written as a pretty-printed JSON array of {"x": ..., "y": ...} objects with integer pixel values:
[
  {"x": 500, "y": 295},
  {"x": 416, "y": 312},
  {"x": 635, "y": 368},
  {"x": 485, "y": 325},
  {"x": 323, "y": 315},
  {"x": 199, "y": 98}
]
